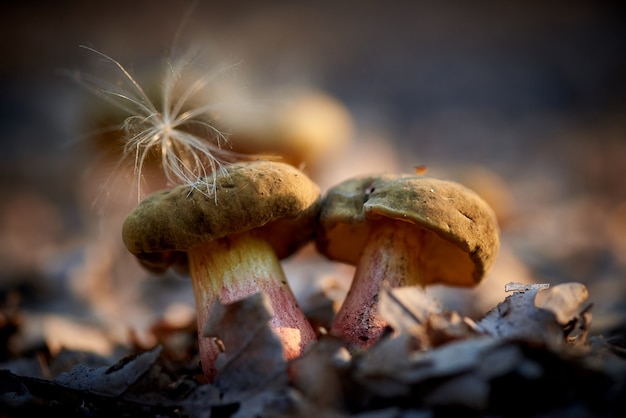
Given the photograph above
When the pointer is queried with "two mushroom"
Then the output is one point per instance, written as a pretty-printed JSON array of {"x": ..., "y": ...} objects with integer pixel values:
[{"x": 405, "y": 230}]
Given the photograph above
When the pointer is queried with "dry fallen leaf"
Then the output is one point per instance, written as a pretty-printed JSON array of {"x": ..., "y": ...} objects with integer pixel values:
[
  {"x": 459, "y": 370},
  {"x": 518, "y": 316},
  {"x": 564, "y": 300},
  {"x": 420, "y": 323},
  {"x": 110, "y": 381},
  {"x": 319, "y": 374},
  {"x": 411, "y": 311},
  {"x": 406, "y": 308},
  {"x": 253, "y": 355}
]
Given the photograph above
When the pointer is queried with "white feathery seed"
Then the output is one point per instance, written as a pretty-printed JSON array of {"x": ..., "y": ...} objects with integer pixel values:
[{"x": 177, "y": 128}]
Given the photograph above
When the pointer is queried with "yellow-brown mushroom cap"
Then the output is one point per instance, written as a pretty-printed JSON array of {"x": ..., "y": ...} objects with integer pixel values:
[
  {"x": 277, "y": 199},
  {"x": 461, "y": 237}
]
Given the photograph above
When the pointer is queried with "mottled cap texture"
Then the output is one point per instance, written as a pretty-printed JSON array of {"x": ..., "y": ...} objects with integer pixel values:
[
  {"x": 276, "y": 199},
  {"x": 462, "y": 234}
]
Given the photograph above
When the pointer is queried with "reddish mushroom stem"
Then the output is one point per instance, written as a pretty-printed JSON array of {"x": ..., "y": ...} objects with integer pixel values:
[
  {"x": 389, "y": 255},
  {"x": 232, "y": 268}
]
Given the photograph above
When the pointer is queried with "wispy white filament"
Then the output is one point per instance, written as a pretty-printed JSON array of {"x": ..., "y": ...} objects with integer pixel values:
[{"x": 190, "y": 147}]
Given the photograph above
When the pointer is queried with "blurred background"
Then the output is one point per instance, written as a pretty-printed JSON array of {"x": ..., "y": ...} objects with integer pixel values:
[{"x": 525, "y": 102}]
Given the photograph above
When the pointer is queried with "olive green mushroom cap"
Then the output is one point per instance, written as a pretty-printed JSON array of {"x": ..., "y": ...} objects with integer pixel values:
[
  {"x": 276, "y": 199},
  {"x": 457, "y": 230}
]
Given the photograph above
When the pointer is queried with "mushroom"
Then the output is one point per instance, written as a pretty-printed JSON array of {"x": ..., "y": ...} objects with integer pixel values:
[
  {"x": 231, "y": 242},
  {"x": 300, "y": 125},
  {"x": 406, "y": 230}
]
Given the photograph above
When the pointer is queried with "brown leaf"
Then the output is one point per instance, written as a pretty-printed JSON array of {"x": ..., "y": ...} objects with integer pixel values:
[
  {"x": 564, "y": 300},
  {"x": 518, "y": 317},
  {"x": 420, "y": 324},
  {"x": 109, "y": 381},
  {"x": 410, "y": 310},
  {"x": 377, "y": 368},
  {"x": 406, "y": 308},
  {"x": 448, "y": 360},
  {"x": 253, "y": 354},
  {"x": 320, "y": 372},
  {"x": 553, "y": 316},
  {"x": 448, "y": 326}
]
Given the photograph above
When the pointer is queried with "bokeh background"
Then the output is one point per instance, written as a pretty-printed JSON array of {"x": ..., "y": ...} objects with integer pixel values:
[{"x": 523, "y": 101}]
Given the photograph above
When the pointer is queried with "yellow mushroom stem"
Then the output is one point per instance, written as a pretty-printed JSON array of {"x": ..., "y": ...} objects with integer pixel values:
[
  {"x": 392, "y": 255},
  {"x": 230, "y": 269}
]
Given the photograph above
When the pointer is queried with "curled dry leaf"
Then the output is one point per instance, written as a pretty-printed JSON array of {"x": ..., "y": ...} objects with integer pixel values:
[
  {"x": 563, "y": 300},
  {"x": 546, "y": 321},
  {"x": 566, "y": 302}
]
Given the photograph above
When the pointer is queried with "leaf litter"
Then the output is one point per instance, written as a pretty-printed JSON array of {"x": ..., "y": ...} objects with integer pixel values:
[{"x": 528, "y": 356}]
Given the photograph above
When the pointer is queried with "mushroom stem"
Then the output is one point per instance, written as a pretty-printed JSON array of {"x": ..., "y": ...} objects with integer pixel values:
[
  {"x": 389, "y": 255},
  {"x": 234, "y": 267}
]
